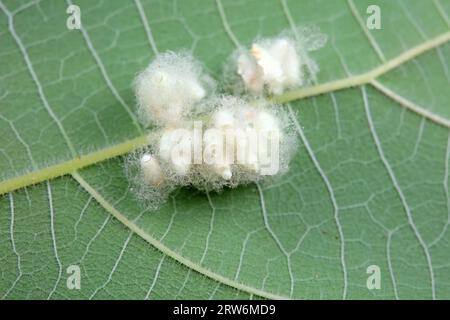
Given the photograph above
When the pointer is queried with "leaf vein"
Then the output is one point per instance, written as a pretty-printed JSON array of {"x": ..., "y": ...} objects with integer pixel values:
[{"x": 166, "y": 250}]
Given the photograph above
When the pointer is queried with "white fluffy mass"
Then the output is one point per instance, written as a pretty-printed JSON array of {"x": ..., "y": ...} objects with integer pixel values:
[
  {"x": 169, "y": 87},
  {"x": 274, "y": 63},
  {"x": 279, "y": 63},
  {"x": 219, "y": 153}
]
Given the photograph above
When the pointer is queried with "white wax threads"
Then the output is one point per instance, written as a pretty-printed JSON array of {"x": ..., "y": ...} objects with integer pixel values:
[
  {"x": 274, "y": 63},
  {"x": 243, "y": 140},
  {"x": 175, "y": 148},
  {"x": 235, "y": 144},
  {"x": 277, "y": 64},
  {"x": 169, "y": 87},
  {"x": 214, "y": 141}
]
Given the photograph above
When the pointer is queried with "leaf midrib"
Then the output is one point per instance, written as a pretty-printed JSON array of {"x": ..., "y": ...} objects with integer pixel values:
[{"x": 77, "y": 163}]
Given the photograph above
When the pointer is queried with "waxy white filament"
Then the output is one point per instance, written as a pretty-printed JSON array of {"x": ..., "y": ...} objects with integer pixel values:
[
  {"x": 225, "y": 148},
  {"x": 272, "y": 63},
  {"x": 169, "y": 87},
  {"x": 151, "y": 170}
]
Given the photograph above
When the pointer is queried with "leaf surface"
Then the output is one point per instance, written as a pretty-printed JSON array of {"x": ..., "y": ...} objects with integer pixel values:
[{"x": 369, "y": 185}]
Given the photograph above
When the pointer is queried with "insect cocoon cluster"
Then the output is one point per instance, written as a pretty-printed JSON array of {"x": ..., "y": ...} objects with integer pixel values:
[
  {"x": 277, "y": 64},
  {"x": 169, "y": 87},
  {"x": 210, "y": 142},
  {"x": 235, "y": 143}
]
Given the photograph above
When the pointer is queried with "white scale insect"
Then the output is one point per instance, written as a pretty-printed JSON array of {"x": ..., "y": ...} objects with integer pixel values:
[{"x": 173, "y": 90}]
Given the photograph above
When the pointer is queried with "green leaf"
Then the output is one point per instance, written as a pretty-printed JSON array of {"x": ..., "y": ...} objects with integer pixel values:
[{"x": 369, "y": 185}]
